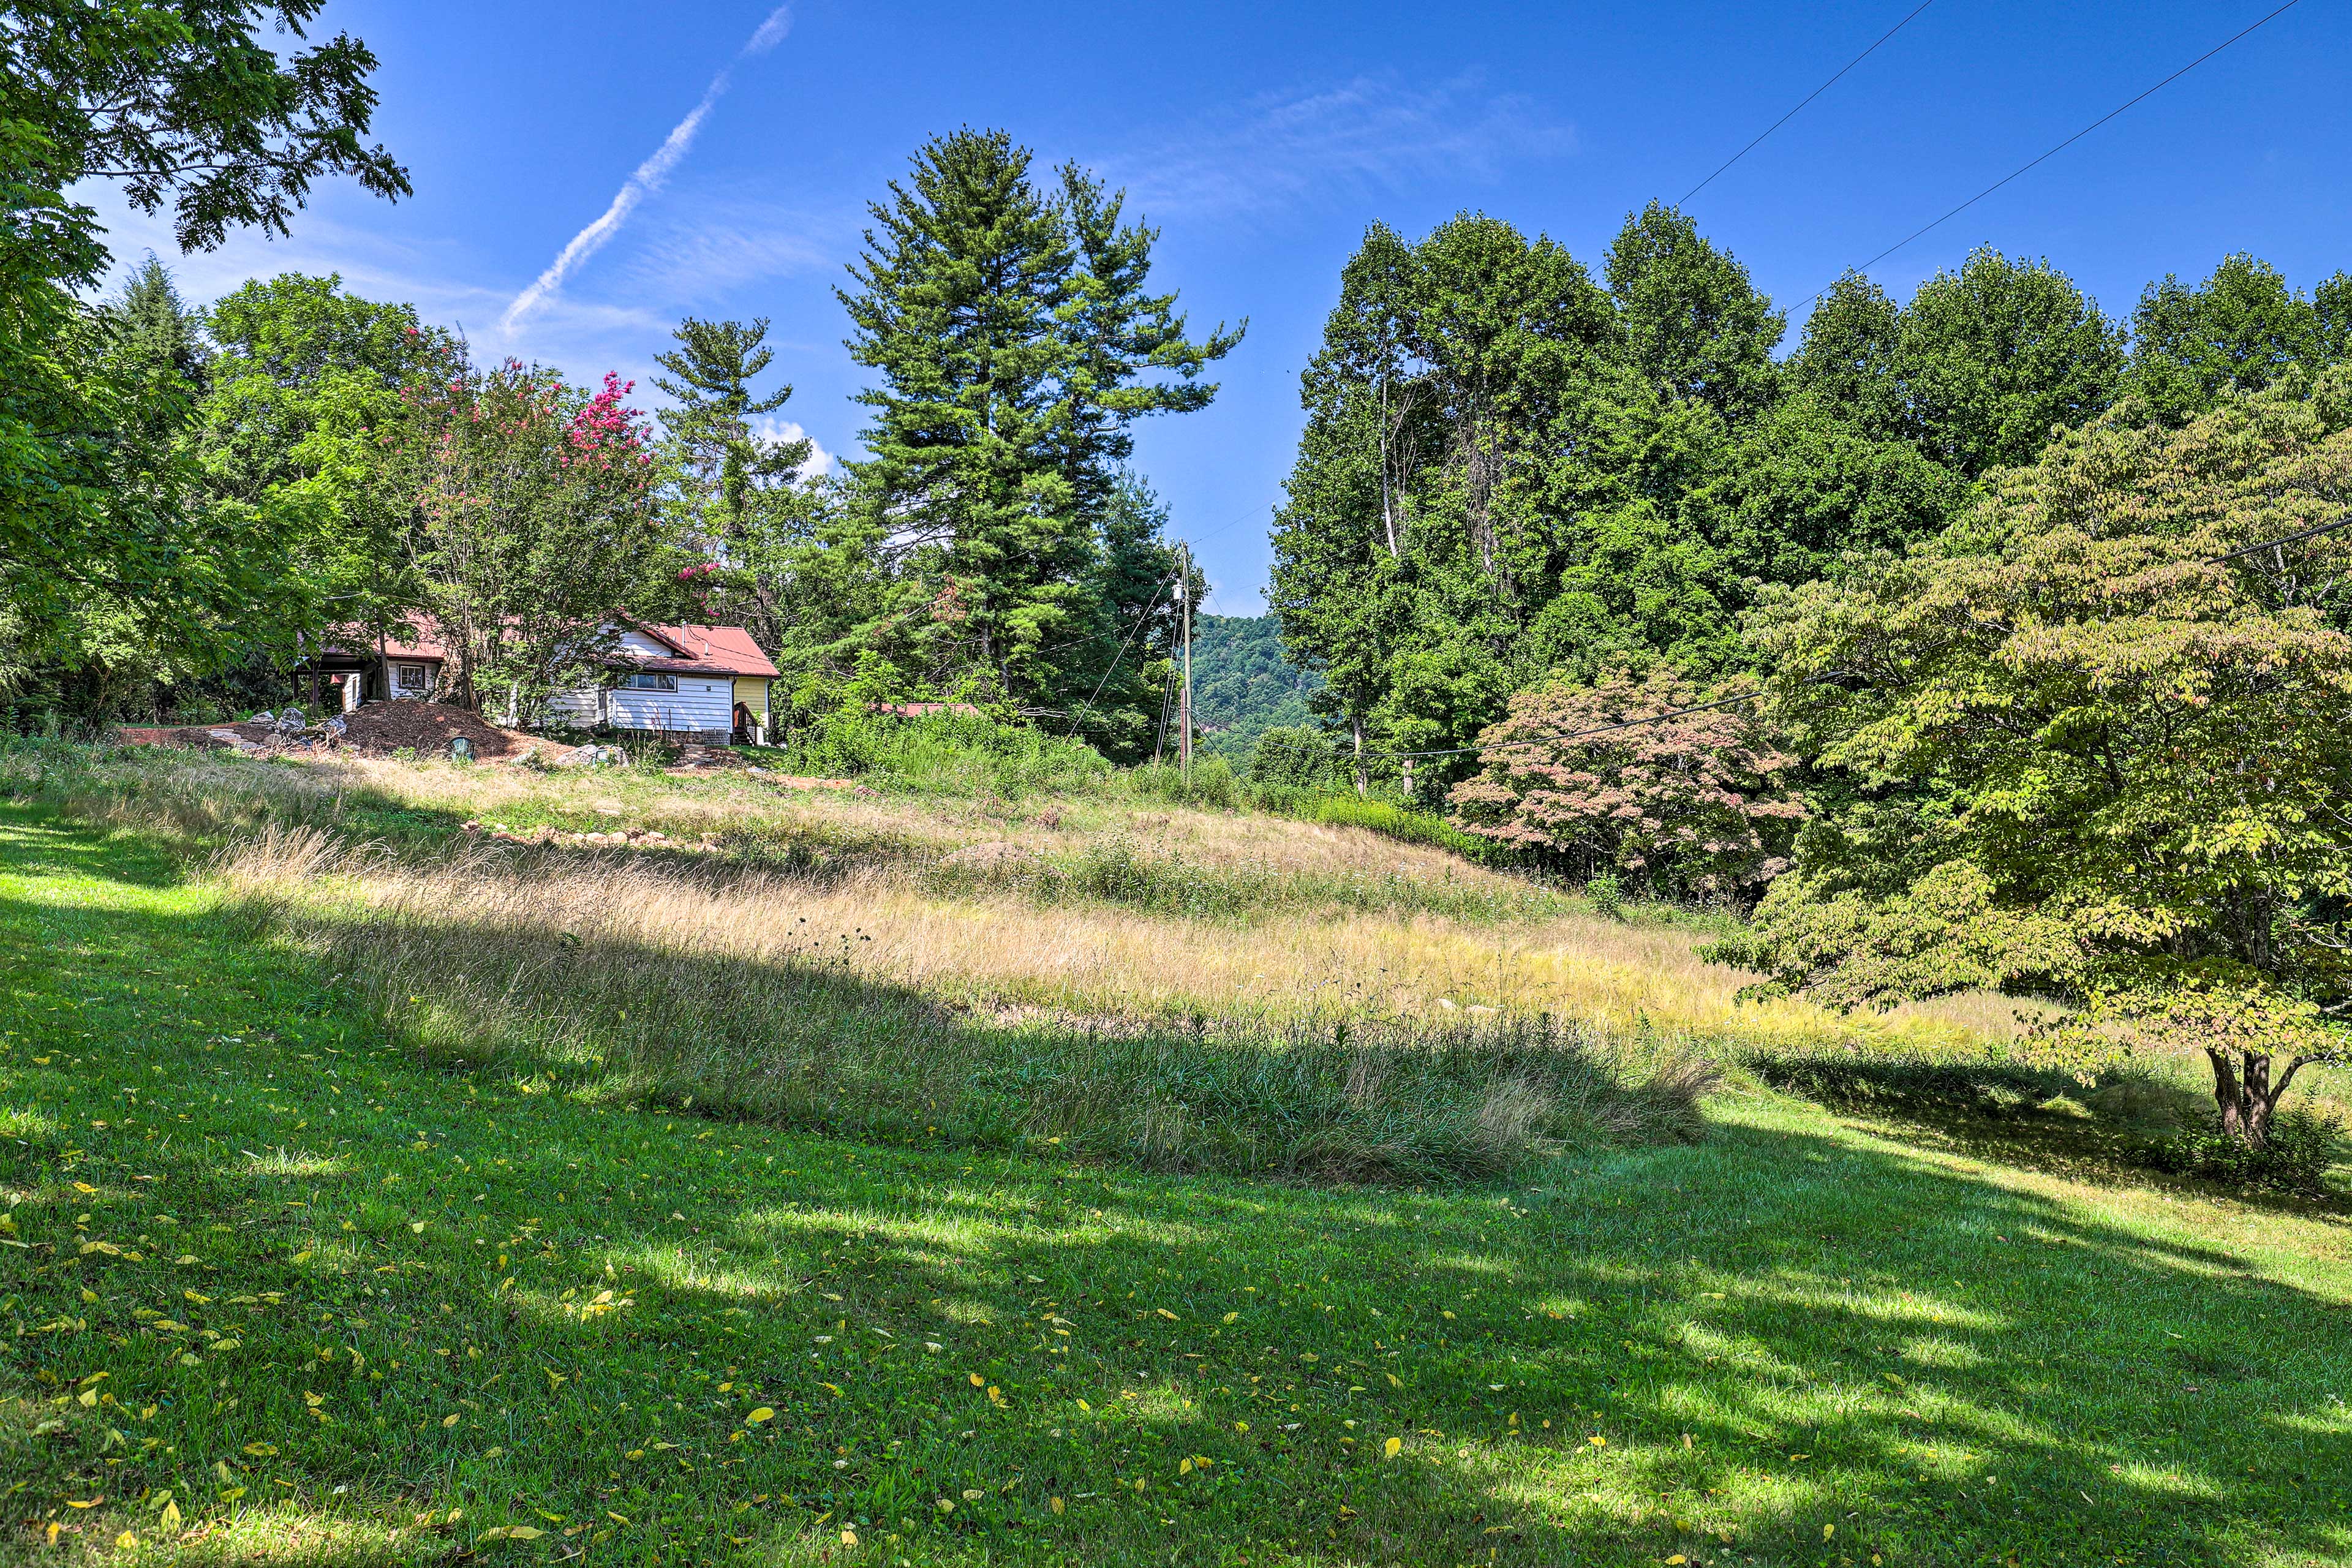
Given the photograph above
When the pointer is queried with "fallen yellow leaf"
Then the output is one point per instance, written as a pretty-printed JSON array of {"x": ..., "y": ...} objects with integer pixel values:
[{"x": 762, "y": 1414}]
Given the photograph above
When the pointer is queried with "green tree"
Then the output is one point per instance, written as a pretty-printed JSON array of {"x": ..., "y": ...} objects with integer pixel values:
[
  {"x": 1997, "y": 356},
  {"x": 2238, "y": 331},
  {"x": 183, "y": 104},
  {"x": 1462, "y": 431},
  {"x": 1015, "y": 341},
  {"x": 1847, "y": 357},
  {"x": 739, "y": 491},
  {"x": 1694, "y": 322},
  {"x": 2069, "y": 752},
  {"x": 727, "y": 463},
  {"x": 298, "y": 434},
  {"x": 960, "y": 288}
]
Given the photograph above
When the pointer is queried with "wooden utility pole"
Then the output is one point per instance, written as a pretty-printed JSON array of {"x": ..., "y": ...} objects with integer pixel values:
[{"x": 1184, "y": 701}]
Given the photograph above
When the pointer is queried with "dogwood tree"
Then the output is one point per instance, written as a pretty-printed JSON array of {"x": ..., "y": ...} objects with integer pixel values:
[
  {"x": 1615, "y": 777},
  {"x": 2088, "y": 745}
]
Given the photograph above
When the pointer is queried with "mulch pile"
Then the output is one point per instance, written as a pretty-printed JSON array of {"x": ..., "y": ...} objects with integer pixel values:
[{"x": 380, "y": 729}]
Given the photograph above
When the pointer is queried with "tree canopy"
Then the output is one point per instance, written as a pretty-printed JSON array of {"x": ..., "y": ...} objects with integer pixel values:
[{"x": 2072, "y": 750}]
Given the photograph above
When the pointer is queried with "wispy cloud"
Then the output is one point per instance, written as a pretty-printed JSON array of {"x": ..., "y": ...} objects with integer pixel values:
[
  {"x": 726, "y": 241},
  {"x": 1283, "y": 149},
  {"x": 647, "y": 179}
]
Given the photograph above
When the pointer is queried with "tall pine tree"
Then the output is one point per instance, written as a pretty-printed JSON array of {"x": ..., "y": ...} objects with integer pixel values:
[{"x": 1016, "y": 341}]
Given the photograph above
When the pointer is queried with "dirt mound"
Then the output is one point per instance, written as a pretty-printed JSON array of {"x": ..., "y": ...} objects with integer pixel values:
[
  {"x": 380, "y": 729},
  {"x": 201, "y": 737}
]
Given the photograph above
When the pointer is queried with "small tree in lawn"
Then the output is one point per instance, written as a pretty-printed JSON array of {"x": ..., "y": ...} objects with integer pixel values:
[
  {"x": 1691, "y": 804},
  {"x": 2081, "y": 756}
]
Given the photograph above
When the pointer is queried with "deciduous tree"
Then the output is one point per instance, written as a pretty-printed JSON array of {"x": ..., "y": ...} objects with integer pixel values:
[{"x": 2070, "y": 752}]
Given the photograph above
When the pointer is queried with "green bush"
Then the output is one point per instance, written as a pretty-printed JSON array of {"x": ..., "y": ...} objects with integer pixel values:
[
  {"x": 1606, "y": 894},
  {"x": 942, "y": 753},
  {"x": 2296, "y": 1158},
  {"x": 1213, "y": 784}
]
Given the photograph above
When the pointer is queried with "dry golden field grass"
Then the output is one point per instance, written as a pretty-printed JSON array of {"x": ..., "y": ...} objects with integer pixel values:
[{"x": 990, "y": 901}]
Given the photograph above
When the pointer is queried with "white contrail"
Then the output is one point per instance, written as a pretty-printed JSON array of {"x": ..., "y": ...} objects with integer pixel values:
[{"x": 647, "y": 178}]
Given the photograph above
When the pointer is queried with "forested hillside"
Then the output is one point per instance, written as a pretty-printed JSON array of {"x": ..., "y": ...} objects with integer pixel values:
[{"x": 1243, "y": 684}]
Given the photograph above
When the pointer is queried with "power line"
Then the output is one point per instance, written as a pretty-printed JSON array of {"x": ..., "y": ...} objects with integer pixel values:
[
  {"x": 1121, "y": 654},
  {"x": 2070, "y": 141},
  {"x": 1808, "y": 99},
  {"x": 2344, "y": 521}
]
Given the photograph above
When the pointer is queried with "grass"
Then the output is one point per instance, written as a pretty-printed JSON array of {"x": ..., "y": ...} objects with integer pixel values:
[
  {"x": 634, "y": 982},
  {"x": 346, "y": 1304},
  {"x": 1087, "y": 905}
]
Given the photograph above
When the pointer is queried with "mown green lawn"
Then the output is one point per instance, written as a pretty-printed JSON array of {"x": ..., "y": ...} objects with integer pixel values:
[{"x": 343, "y": 1306}]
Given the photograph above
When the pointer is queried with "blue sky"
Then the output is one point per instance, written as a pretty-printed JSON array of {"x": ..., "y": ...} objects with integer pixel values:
[{"x": 1262, "y": 138}]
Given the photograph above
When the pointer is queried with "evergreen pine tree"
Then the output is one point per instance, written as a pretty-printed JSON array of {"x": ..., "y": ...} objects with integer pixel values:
[
  {"x": 725, "y": 459},
  {"x": 961, "y": 286},
  {"x": 1016, "y": 341}
]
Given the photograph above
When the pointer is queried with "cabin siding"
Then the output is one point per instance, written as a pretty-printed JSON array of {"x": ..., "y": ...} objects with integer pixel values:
[
  {"x": 581, "y": 709},
  {"x": 702, "y": 705}
]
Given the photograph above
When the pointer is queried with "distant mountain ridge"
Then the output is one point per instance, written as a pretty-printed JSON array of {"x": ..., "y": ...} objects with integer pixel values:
[{"x": 1243, "y": 684}]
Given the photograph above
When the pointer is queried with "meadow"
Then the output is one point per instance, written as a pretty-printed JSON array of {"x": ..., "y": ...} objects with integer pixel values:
[{"x": 885, "y": 1178}]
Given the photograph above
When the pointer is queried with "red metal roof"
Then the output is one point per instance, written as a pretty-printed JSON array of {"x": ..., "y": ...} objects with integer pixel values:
[
  {"x": 704, "y": 650},
  {"x": 699, "y": 650}
]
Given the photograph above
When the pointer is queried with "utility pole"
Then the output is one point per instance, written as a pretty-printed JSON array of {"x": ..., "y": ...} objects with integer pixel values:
[{"x": 1184, "y": 703}]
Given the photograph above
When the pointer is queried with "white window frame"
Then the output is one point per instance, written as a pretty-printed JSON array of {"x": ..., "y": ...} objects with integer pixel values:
[
  {"x": 650, "y": 681},
  {"x": 402, "y": 669}
]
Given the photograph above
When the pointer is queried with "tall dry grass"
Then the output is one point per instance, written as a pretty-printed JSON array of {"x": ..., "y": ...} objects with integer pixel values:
[
  {"x": 1091, "y": 907},
  {"x": 746, "y": 996},
  {"x": 1009, "y": 956}
]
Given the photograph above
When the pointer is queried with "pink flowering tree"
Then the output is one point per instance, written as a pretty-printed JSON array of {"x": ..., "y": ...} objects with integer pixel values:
[
  {"x": 541, "y": 522},
  {"x": 1689, "y": 806}
]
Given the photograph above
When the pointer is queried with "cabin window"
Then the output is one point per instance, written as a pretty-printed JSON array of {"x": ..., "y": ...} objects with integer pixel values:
[
  {"x": 408, "y": 677},
  {"x": 651, "y": 680}
]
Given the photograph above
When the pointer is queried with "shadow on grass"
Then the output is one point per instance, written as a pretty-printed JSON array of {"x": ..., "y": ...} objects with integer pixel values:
[
  {"x": 590, "y": 1003},
  {"x": 2127, "y": 1128},
  {"x": 1869, "y": 1349}
]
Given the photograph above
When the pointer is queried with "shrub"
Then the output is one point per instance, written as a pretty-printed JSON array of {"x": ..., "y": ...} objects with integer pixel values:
[
  {"x": 1692, "y": 806},
  {"x": 1298, "y": 756},
  {"x": 1605, "y": 894},
  {"x": 2294, "y": 1157},
  {"x": 944, "y": 752}
]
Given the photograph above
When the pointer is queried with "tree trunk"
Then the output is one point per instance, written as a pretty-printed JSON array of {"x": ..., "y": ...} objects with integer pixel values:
[{"x": 2242, "y": 1088}]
